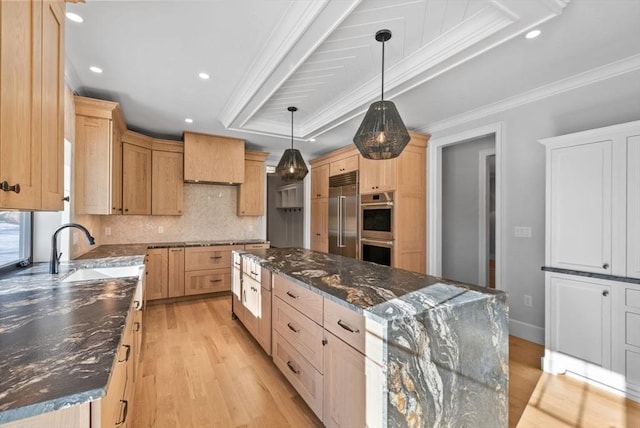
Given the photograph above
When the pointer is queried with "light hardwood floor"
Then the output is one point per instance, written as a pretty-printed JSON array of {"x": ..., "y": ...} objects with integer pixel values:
[{"x": 199, "y": 368}]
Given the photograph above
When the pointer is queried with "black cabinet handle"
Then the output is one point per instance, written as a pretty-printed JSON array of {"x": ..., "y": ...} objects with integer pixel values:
[
  {"x": 7, "y": 188},
  {"x": 215, "y": 257},
  {"x": 215, "y": 280},
  {"x": 292, "y": 328},
  {"x": 126, "y": 210},
  {"x": 66, "y": 198},
  {"x": 346, "y": 327},
  {"x": 136, "y": 304},
  {"x": 293, "y": 369},
  {"x": 136, "y": 326},
  {"x": 124, "y": 411},
  {"x": 290, "y": 294},
  {"x": 605, "y": 293},
  {"x": 605, "y": 266}
]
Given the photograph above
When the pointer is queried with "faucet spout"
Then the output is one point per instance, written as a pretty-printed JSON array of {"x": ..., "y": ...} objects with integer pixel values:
[{"x": 55, "y": 257}]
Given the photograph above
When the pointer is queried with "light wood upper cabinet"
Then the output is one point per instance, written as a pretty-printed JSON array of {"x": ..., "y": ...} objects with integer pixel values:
[
  {"x": 167, "y": 183},
  {"x": 320, "y": 181},
  {"x": 136, "y": 180},
  {"x": 213, "y": 159},
  {"x": 344, "y": 165},
  {"x": 377, "y": 175},
  {"x": 31, "y": 104},
  {"x": 52, "y": 105},
  {"x": 251, "y": 193},
  {"x": 97, "y": 157}
]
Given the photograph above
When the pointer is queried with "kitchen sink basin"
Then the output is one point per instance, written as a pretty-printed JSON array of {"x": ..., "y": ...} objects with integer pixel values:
[{"x": 86, "y": 274}]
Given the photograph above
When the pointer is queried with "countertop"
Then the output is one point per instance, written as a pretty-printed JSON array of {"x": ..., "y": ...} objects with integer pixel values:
[
  {"x": 378, "y": 291},
  {"x": 591, "y": 274},
  {"x": 58, "y": 340},
  {"x": 111, "y": 250}
]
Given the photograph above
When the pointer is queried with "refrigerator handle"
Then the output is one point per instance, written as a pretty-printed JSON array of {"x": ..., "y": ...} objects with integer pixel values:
[{"x": 341, "y": 221}]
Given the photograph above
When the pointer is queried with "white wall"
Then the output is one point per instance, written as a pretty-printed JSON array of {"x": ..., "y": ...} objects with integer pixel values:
[
  {"x": 608, "y": 102},
  {"x": 461, "y": 209}
]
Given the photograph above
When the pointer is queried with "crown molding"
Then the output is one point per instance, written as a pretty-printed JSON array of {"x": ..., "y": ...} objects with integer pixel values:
[
  {"x": 595, "y": 75},
  {"x": 298, "y": 18}
]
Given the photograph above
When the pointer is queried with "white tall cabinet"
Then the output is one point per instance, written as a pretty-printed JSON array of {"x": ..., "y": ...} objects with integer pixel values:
[{"x": 592, "y": 285}]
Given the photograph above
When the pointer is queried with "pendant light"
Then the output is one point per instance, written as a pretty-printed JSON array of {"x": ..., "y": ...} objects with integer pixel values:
[
  {"x": 291, "y": 167},
  {"x": 382, "y": 134}
]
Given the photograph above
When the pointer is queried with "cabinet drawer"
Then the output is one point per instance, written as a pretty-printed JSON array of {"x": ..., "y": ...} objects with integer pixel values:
[
  {"x": 632, "y": 333},
  {"x": 348, "y": 325},
  {"x": 256, "y": 246},
  {"x": 201, "y": 258},
  {"x": 305, "y": 301},
  {"x": 207, "y": 281},
  {"x": 299, "y": 372},
  {"x": 305, "y": 335},
  {"x": 632, "y": 298}
]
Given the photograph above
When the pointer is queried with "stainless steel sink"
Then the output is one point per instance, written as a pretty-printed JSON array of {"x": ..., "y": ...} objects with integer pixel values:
[{"x": 86, "y": 274}]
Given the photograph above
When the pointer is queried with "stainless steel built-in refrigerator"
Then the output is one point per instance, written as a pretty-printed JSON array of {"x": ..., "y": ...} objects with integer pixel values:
[{"x": 343, "y": 214}]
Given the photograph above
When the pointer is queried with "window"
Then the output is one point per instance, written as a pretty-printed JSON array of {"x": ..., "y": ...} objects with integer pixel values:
[{"x": 15, "y": 237}]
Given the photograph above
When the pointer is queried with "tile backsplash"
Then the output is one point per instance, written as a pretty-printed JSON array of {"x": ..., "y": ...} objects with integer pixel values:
[{"x": 209, "y": 214}]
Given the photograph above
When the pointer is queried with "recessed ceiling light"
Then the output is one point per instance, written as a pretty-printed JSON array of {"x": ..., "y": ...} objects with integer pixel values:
[
  {"x": 533, "y": 34},
  {"x": 95, "y": 69},
  {"x": 74, "y": 17},
  {"x": 203, "y": 76},
  {"x": 313, "y": 140},
  {"x": 188, "y": 120}
]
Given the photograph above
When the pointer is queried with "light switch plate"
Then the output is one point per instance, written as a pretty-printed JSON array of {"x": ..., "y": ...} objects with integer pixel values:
[
  {"x": 522, "y": 231},
  {"x": 160, "y": 229},
  {"x": 107, "y": 231}
]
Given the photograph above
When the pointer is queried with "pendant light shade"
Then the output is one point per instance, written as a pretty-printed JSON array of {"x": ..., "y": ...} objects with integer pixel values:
[
  {"x": 291, "y": 167},
  {"x": 382, "y": 134}
]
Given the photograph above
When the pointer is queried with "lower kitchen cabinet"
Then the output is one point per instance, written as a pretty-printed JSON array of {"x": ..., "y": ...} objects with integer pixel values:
[
  {"x": 255, "y": 307},
  {"x": 71, "y": 417},
  {"x": 206, "y": 281},
  {"x": 344, "y": 384},
  {"x": 175, "y": 272},
  {"x": 157, "y": 279}
]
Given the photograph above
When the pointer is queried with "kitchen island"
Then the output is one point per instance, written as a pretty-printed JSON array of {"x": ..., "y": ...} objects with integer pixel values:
[{"x": 435, "y": 351}]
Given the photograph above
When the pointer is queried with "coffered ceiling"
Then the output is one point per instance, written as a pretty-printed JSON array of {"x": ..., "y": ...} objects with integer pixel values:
[{"x": 321, "y": 56}]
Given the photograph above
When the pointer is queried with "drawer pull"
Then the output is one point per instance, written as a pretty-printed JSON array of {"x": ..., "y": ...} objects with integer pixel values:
[
  {"x": 136, "y": 304},
  {"x": 124, "y": 411},
  {"x": 346, "y": 327},
  {"x": 293, "y": 369},
  {"x": 136, "y": 326},
  {"x": 215, "y": 257},
  {"x": 6, "y": 188},
  {"x": 215, "y": 280},
  {"x": 290, "y": 294},
  {"x": 605, "y": 266},
  {"x": 605, "y": 293},
  {"x": 126, "y": 355},
  {"x": 292, "y": 328}
]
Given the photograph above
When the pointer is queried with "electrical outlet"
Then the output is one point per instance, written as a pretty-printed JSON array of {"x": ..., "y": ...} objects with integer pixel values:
[
  {"x": 160, "y": 229},
  {"x": 107, "y": 231},
  {"x": 522, "y": 232},
  {"x": 528, "y": 301}
]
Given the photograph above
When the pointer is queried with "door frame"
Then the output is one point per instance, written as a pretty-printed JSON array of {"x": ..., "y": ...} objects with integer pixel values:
[
  {"x": 483, "y": 224},
  {"x": 434, "y": 194}
]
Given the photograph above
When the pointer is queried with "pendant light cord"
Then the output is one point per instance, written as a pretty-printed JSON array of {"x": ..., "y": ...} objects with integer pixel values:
[
  {"x": 291, "y": 129},
  {"x": 382, "y": 96}
]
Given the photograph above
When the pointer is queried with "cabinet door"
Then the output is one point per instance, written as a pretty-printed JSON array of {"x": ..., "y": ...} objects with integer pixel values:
[
  {"x": 251, "y": 192},
  {"x": 156, "y": 281},
  {"x": 320, "y": 182},
  {"x": 20, "y": 92},
  {"x": 633, "y": 206},
  {"x": 167, "y": 183},
  {"x": 320, "y": 224},
  {"x": 377, "y": 175},
  {"x": 176, "y": 272},
  {"x": 580, "y": 319},
  {"x": 92, "y": 175},
  {"x": 344, "y": 385},
  {"x": 214, "y": 159},
  {"x": 343, "y": 166},
  {"x": 580, "y": 211},
  {"x": 52, "y": 105},
  {"x": 136, "y": 179}
]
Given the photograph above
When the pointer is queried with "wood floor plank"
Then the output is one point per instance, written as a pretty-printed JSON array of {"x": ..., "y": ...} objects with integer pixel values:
[{"x": 200, "y": 368}]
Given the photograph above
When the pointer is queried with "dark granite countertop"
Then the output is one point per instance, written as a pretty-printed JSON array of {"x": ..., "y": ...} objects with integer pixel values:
[
  {"x": 111, "y": 250},
  {"x": 378, "y": 291},
  {"x": 591, "y": 274},
  {"x": 58, "y": 340}
]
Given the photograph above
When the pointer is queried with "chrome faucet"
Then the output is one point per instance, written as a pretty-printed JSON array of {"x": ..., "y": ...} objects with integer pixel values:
[{"x": 55, "y": 257}]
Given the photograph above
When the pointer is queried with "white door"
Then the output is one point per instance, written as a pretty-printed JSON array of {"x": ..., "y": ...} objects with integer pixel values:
[
  {"x": 580, "y": 211},
  {"x": 580, "y": 319},
  {"x": 633, "y": 206}
]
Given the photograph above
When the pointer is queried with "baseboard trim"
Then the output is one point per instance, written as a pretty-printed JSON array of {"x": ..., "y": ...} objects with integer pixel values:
[{"x": 526, "y": 331}]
